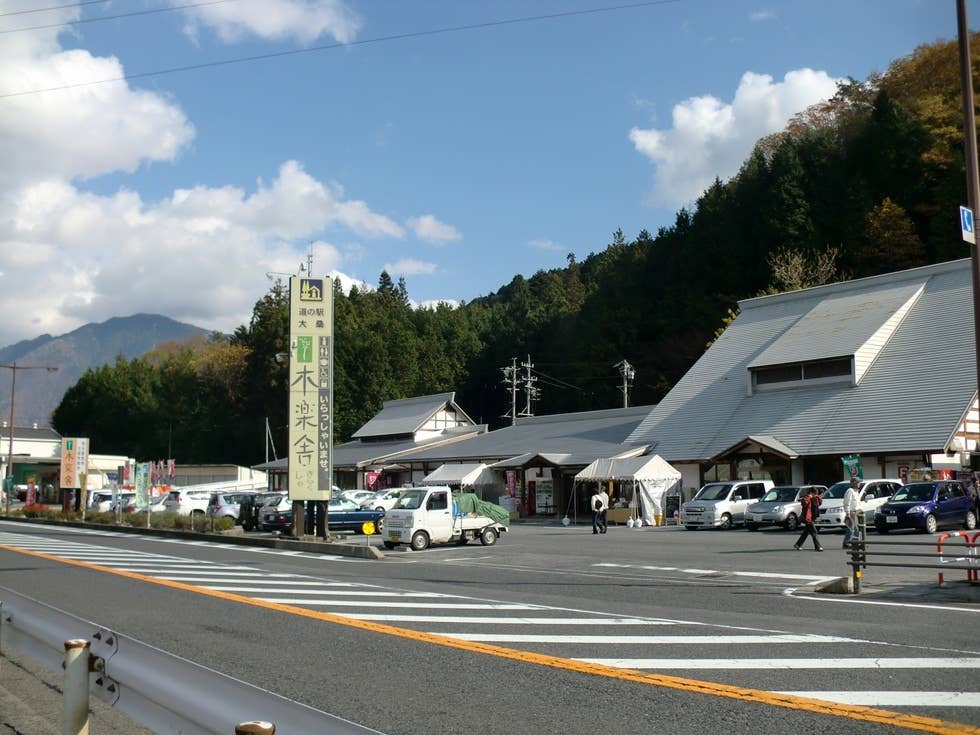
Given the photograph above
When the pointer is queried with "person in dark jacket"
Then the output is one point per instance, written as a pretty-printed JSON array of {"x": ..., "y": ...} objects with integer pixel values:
[{"x": 811, "y": 508}]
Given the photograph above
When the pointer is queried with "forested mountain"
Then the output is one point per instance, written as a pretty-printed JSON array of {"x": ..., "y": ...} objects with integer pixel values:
[
  {"x": 866, "y": 183},
  {"x": 40, "y": 391}
]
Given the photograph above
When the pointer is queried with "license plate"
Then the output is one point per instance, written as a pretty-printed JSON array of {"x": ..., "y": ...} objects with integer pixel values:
[
  {"x": 891, "y": 519},
  {"x": 394, "y": 538}
]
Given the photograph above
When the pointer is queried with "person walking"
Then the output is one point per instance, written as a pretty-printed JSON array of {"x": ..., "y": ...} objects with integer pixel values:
[
  {"x": 852, "y": 512},
  {"x": 599, "y": 502},
  {"x": 811, "y": 507}
]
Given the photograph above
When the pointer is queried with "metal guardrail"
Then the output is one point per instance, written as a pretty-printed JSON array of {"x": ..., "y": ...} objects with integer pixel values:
[
  {"x": 162, "y": 692},
  {"x": 881, "y": 553}
]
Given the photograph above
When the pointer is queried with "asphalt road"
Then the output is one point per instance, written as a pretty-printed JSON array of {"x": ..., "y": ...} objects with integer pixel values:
[{"x": 553, "y": 629}]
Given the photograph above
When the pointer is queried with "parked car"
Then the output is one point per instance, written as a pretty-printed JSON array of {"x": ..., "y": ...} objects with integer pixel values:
[
  {"x": 100, "y": 502},
  {"x": 874, "y": 494},
  {"x": 155, "y": 506},
  {"x": 228, "y": 505},
  {"x": 358, "y": 496},
  {"x": 125, "y": 501},
  {"x": 188, "y": 502},
  {"x": 722, "y": 504},
  {"x": 779, "y": 507},
  {"x": 250, "y": 515},
  {"x": 383, "y": 499},
  {"x": 342, "y": 515},
  {"x": 927, "y": 506}
]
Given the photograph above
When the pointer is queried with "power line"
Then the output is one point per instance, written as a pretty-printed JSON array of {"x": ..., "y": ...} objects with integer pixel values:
[
  {"x": 151, "y": 11},
  {"x": 54, "y": 7},
  {"x": 331, "y": 46}
]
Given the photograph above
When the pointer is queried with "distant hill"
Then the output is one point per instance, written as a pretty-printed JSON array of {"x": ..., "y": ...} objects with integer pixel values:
[{"x": 39, "y": 392}]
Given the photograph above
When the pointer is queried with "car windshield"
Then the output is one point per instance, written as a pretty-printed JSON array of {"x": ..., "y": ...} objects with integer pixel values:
[
  {"x": 781, "y": 495},
  {"x": 836, "y": 491},
  {"x": 341, "y": 504},
  {"x": 713, "y": 492},
  {"x": 411, "y": 500},
  {"x": 915, "y": 493}
]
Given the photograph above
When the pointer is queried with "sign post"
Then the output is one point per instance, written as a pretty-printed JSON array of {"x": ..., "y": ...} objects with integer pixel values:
[
  {"x": 310, "y": 408},
  {"x": 967, "y": 225}
]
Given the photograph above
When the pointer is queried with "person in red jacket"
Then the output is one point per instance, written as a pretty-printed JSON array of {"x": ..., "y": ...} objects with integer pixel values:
[{"x": 811, "y": 508}]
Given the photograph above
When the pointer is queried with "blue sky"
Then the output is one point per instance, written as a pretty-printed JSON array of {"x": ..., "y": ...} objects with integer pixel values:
[{"x": 454, "y": 159}]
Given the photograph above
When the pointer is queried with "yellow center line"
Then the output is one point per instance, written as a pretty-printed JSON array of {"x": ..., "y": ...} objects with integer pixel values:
[{"x": 787, "y": 701}]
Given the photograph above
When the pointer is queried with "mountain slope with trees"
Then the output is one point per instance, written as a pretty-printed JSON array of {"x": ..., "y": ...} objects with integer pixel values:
[{"x": 868, "y": 182}]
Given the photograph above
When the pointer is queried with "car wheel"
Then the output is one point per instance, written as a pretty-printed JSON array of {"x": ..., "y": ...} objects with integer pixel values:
[
  {"x": 691, "y": 528},
  {"x": 380, "y": 509},
  {"x": 792, "y": 522},
  {"x": 931, "y": 524},
  {"x": 420, "y": 541},
  {"x": 197, "y": 513},
  {"x": 379, "y": 525},
  {"x": 971, "y": 520},
  {"x": 488, "y": 537},
  {"x": 726, "y": 521},
  {"x": 752, "y": 526},
  {"x": 389, "y": 544},
  {"x": 463, "y": 538}
]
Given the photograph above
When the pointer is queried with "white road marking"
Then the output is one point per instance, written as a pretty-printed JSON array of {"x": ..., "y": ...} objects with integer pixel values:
[
  {"x": 896, "y": 699},
  {"x": 349, "y": 593},
  {"x": 662, "y": 664},
  {"x": 859, "y": 601},
  {"x": 759, "y": 575},
  {"x": 425, "y": 605},
  {"x": 658, "y": 639},
  {"x": 503, "y": 621}
]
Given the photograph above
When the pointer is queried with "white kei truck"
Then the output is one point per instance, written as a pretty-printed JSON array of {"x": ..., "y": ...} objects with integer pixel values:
[{"x": 431, "y": 515}]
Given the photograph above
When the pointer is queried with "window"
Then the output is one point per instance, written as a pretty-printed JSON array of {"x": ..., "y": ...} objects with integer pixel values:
[
  {"x": 438, "y": 502},
  {"x": 796, "y": 374}
]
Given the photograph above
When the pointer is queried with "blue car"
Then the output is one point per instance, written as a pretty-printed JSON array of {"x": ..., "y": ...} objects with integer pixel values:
[
  {"x": 927, "y": 506},
  {"x": 342, "y": 515}
]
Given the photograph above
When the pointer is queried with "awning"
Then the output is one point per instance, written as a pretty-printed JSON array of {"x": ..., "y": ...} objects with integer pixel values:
[
  {"x": 758, "y": 444},
  {"x": 653, "y": 467},
  {"x": 464, "y": 475}
]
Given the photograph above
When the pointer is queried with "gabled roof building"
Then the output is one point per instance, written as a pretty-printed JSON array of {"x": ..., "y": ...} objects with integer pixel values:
[{"x": 881, "y": 367}]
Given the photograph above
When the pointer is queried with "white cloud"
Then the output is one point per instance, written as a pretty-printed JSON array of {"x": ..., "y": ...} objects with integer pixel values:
[
  {"x": 710, "y": 138},
  {"x": 428, "y": 228},
  {"x": 410, "y": 267},
  {"x": 762, "y": 15},
  {"x": 546, "y": 245},
  {"x": 199, "y": 255},
  {"x": 300, "y": 20},
  {"x": 39, "y": 133}
]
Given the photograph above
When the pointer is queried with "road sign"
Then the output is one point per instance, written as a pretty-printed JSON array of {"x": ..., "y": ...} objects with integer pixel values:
[{"x": 966, "y": 225}]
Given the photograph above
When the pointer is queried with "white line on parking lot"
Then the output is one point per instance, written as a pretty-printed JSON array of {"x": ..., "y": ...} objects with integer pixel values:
[
  {"x": 895, "y": 699},
  {"x": 761, "y": 575},
  {"x": 664, "y": 664}
]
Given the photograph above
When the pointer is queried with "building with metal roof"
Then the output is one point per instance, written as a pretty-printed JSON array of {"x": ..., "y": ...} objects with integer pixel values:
[{"x": 883, "y": 368}]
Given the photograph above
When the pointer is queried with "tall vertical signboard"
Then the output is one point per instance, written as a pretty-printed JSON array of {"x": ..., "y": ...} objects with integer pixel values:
[
  {"x": 310, "y": 388},
  {"x": 74, "y": 461}
]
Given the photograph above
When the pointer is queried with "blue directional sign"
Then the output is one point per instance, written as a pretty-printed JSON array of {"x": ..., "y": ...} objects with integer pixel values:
[{"x": 967, "y": 225}]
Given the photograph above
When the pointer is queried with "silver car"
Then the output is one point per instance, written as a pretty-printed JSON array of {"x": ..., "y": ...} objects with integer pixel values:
[{"x": 779, "y": 507}]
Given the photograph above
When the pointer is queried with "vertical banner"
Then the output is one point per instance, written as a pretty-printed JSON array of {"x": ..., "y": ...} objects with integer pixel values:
[
  {"x": 74, "y": 461},
  {"x": 143, "y": 484},
  {"x": 852, "y": 466},
  {"x": 310, "y": 388}
]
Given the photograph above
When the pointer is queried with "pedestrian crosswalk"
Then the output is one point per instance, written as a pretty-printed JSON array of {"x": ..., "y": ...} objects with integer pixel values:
[{"x": 726, "y": 653}]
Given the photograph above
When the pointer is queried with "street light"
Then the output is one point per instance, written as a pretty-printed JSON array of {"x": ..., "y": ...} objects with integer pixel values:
[{"x": 13, "y": 368}]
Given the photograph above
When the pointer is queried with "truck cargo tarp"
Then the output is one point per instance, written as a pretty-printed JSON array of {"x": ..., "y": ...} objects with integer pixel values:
[
  {"x": 651, "y": 476},
  {"x": 471, "y": 503}
]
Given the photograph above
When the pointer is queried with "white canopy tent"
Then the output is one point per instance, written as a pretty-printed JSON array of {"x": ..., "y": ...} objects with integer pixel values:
[
  {"x": 466, "y": 476},
  {"x": 651, "y": 476}
]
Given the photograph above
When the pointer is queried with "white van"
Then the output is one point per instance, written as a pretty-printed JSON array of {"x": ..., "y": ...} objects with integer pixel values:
[
  {"x": 722, "y": 504},
  {"x": 187, "y": 502}
]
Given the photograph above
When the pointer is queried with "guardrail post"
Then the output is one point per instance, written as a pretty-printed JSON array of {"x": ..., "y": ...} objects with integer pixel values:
[
  {"x": 76, "y": 687},
  {"x": 856, "y": 558},
  {"x": 256, "y": 727}
]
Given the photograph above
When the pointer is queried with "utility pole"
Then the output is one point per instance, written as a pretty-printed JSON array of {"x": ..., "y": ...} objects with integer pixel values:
[
  {"x": 627, "y": 373},
  {"x": 970, "y": 143},
  {"x": 531, "y": 393},
  {"x": 510, "y": 380}
]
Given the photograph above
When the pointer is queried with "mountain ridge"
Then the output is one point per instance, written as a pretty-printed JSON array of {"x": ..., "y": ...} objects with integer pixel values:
[{"x": 90, "y": 346}]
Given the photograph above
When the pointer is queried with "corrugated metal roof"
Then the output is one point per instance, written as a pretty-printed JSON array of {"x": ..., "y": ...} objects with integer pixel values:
[
  {"x": 29, "y": 432},
  {"x": 910, "y": 399},
  {"x": 407, "y": 415},
  {"x": 837, "y": 325},
  {"x": 595, "y": 433}
]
